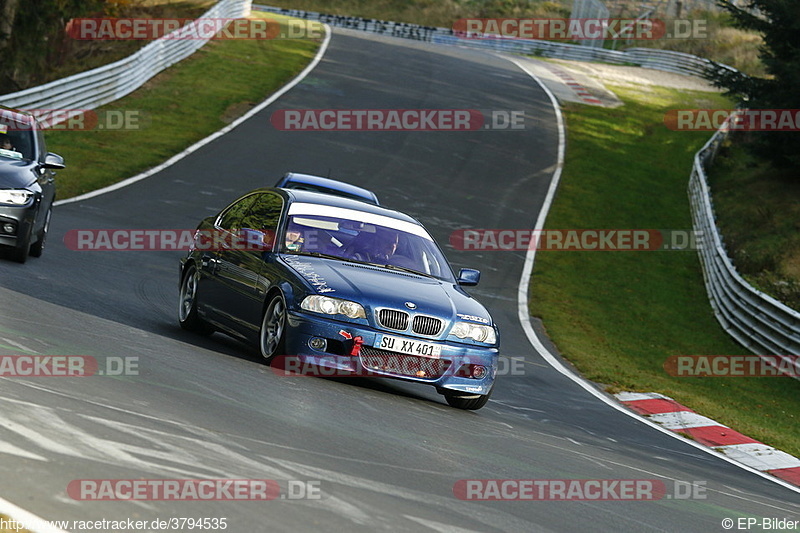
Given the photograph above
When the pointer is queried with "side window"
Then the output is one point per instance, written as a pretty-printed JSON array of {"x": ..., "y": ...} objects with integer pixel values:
[
  {"x": 264, "y": 215},
  {"x": 233, "y": 216},
  {"x": 265, "y": 212}
]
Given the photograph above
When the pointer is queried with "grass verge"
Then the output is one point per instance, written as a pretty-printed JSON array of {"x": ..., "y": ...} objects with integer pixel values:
[
  {"x": 177, "y": 108},
  {"x": 618, "y": 316}
]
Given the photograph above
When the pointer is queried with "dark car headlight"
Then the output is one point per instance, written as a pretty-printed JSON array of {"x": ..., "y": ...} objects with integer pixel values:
[
  {"x": 15, "y": 196},
  {"x": 333, "y": 306},
  {"x": 476, "y": 332}
]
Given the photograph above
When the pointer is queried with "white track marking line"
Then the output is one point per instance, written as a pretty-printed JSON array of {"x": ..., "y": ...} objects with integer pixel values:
[{"x": 199, "y": 144}]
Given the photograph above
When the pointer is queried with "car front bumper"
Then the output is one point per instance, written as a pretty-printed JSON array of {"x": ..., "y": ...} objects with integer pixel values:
[
  {"x": 452, "y": 370},
  {"x": 22, "y": 219}
]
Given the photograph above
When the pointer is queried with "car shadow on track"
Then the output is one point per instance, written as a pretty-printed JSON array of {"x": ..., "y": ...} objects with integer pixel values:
[{"x": 229, "y": 346}]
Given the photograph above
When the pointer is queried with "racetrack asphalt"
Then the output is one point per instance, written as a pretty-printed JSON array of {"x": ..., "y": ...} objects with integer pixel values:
[{"x": 387, "y": 454}]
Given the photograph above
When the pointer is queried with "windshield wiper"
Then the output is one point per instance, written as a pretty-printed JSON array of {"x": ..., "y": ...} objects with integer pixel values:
[
  {"x": 317, "y": 254},
  {"x": 403, "y": 269}
]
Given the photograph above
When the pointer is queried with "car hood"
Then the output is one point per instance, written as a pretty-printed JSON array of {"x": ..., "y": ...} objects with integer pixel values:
[
  {"x": 375, "y": 287},
  {"x": 15, "y": 174}
]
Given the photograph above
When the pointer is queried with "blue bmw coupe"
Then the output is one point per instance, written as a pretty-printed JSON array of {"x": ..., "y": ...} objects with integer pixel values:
[{"x": 343, "y": 285}]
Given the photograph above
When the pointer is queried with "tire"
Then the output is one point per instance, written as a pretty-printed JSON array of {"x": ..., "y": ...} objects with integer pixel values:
[
  {"x": 471, "y": 402},
  {"x": 38, "y": 246},
  {"x": 187, "y": 304},
  {"x": 272, "y": 337},
  {"x": 22, "y": 249}
]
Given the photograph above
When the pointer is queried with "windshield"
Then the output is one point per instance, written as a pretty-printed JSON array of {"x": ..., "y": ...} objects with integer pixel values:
[
  {"x": 403, "y": 245},
  {"x": 16, "y": 140}
]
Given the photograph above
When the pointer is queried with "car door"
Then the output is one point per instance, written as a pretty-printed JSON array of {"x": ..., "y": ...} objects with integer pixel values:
[
  {"x": 260, "y": 226},
  {"x": 214, "y": 290},
  {"x": 240, "y": 261}
]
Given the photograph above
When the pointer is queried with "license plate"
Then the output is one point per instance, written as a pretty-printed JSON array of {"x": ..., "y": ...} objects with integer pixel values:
[{"x": 409, "y": 347}]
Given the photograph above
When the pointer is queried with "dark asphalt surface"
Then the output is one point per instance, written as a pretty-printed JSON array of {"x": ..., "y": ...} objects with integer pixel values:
[{"x": 387, "y": 454}]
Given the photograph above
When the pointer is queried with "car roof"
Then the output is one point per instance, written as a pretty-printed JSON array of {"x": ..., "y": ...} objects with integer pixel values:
[
  {"x": 294, "y": 180},
  {"x": 313, "y": 197}
]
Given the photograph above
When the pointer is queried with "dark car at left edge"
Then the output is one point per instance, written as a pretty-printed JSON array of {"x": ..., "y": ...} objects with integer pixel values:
[{"x": 27, "y": 185}]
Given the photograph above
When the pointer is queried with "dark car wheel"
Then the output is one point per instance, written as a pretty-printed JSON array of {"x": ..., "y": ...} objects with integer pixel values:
[
  {"x": 22, "y": 249},
  {"x": 472, "y": 402},
  {"x": 272, "y": 338},
  {"x": 187, "y": 310},
  {"x": 41, "y": 238}
]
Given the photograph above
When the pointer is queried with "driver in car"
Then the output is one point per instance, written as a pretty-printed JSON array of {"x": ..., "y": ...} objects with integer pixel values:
[
  {"x": 294, "y": 238},
  {"x": 5, "y": 142}
]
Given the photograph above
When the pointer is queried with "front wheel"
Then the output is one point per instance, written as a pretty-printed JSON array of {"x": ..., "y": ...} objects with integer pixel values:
[
  {"x": 38, "y": 246},
  {"x": 21, "y": 251},
  {"x": 272, "y": 338},
  {"x": 187, "y": 310},
  {"x": 472, "y": 402}
]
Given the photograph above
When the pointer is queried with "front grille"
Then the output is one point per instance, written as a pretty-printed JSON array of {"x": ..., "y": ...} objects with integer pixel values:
[
  {"x": 426, "y": 325},
  {"x": 392, "y": 319},
  {"x": 402, "y": 364}
]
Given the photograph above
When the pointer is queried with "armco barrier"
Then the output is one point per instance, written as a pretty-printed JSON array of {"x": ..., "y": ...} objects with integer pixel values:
[
  {"x": 105, "y": 84},
  {"x": 757, "y": 321}
]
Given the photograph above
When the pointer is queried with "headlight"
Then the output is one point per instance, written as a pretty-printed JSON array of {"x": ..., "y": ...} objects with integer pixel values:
[
  {"x": 15, "y": 196},
  {"x": 333, "y": 306},
  {"x": 476, "y": 332}
]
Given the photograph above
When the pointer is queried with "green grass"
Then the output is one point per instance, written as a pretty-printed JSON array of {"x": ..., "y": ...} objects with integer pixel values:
[
  {"x": 178, "y": 107},
  {"x": 618, "y": 316},
  {"x": 757, "y": 209}
]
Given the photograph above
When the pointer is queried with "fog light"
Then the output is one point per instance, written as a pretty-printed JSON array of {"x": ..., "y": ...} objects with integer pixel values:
[
  {"x": 9, "y": 228},
  {"x": 318, "y": 344},
  {"x": 479, "y": 371}
]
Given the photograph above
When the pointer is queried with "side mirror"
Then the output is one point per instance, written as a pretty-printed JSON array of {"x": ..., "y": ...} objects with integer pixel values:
[
  {"x": 468, "y": 277},
  {"x": 53, "y": 161}
]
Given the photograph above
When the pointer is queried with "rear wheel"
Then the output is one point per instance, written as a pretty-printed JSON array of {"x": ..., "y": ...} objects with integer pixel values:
[
  {"x": 272, "y": 338},
  {"x": 471, "y": 402},
  {"x": 187, "y": 310},
  {"x": 38, "y": 246}
]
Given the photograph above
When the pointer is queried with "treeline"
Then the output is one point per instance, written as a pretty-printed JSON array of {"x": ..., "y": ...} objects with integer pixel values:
[
  {"x": 779, "y": 23},
  {"x": 32, "y": 38}
]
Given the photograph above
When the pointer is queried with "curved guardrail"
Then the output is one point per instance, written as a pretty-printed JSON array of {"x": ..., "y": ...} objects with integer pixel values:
[
  {"x": 105, "y": 84},
  {"x": 756, "y": 320}
]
